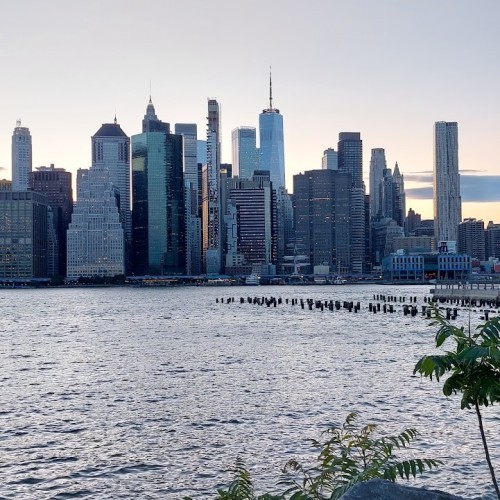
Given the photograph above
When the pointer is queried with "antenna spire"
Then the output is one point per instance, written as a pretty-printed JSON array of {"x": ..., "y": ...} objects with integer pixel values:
[
  {"x": 150, "y": 101},
  {"x": 270, "y": 89}
]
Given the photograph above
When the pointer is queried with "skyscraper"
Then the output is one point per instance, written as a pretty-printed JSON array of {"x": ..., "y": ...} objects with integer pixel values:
[
  {"x": 350, "y": 148},
  {"x": 55, "y": 183},
  {"x": 272, "y": 150},
  {"x": 96, "y": 234},
  {"x": 377, "y": 167},
  {"x": 447, "y": 200},
  {"x": 159, "y": 243},
  {"x": 212, "y": 218},
  {"x": 21, "y": 157},
  {"x": 471, "y": 240},
  {"x": 111, "y": 150},
  {"x": 245, "y": 152},
  {"x": 330, "y": 159}
]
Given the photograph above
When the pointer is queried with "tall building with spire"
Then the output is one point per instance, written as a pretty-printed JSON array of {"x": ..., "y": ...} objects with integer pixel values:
[
  {"x": 21, "y": 157},
  {"x": 211, "y": 191},
  {"x": 111, "y": 151},
  {"x": 272, "y": 150},
  {"x": 447, "y": 200},
  {"x": 158, "y": 223}
]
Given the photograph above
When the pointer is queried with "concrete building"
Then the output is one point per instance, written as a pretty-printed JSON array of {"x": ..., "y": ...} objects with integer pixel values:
[
  {"x": 493, "y": 240},
  {"x": 24, "y": 245},
  {"x": 322, "y": 202},
  {"x": 447, "y": 200},
  {"x": 5, "y": 185},
  {"x": 96, "y": 238},
  {"x": 56, "y": 184},
  {"x": 471, "y": 239},
  {"x": 111, "y": 150},
  {"x": 21, "y": 157},
  {"x": 211, "y": 203},
  {"x": 378, "y": 165}
]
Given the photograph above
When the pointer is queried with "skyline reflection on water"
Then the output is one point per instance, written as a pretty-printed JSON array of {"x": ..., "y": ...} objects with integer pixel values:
[{"x": 122, "y": 392}]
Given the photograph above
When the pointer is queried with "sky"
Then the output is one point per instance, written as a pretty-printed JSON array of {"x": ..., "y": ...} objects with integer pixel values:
[{"x": 387, "y": 69}]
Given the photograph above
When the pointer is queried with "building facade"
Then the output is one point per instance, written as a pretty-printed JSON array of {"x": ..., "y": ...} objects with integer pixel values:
[
  {"x": 158, "y": 226},
  {"x": 471, "y": 239},
  {"x": 447, "y": 200},
  {"x": 56, "y": 184},
  {"x": 493, "y": 240},
  {"x": 24, "y": 245},
  {"x": 245, "y": 152},
  {"x": 21, "y": 157},
  {"x": 96, "y": 238},
  {"x": 272, "y": 149},
  {"x": 378, "y": 165},
  {"x": 330, "y": 159}
]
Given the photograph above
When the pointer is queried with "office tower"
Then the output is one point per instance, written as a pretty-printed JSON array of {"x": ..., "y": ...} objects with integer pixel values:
[
  {"x": 201, "y": 152},
  {"x": 5, "y": 185},
  {"x": 212, "y": 220},
  {"x": 398, "y": 179},
  {"x": 447, "y": 200},
  {"x": 471, "y": 238},
  {"x": 272, "y": 150},
  {"x": 192, "y": 188},
  {"x": 23, "y": 234},
  {"x": 55, "y": 183},
  {"x": 284, "y": 226},
  {"x": 377, "y": 167},
  {"x": 392, "y": 199},
  {"x": 245, "y": 152},
  {"x": 159, "y": 228},
  {"x": 322, "y": 200},
  {"x": 330, "y": 159},
  {"x": 413, "y": 220},
  {"x": 350, "y": 154},
  {"x": 21, "y": 157},
  {"x": 111, "y": 150},
  {"x": 95, "y": 235},
  {"x": 251, "y": 224},
  {"x": 493, "y": 240}
]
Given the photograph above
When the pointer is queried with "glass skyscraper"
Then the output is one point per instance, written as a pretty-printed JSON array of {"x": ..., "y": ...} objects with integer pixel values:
[
  {"x": 158, "y": 194},
  {"x": 21, "y": 157},
  {"x": 272, "y": 150},
  {"x": 245, "y": 152}
]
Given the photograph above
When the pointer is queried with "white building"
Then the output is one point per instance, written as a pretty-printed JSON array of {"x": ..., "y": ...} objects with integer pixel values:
[
  {"x": 95, "y": 234},
  {"x": 111, "y": 151},
  {"x": 21, "y": 157},
  {"x": 447, "y": 200}
]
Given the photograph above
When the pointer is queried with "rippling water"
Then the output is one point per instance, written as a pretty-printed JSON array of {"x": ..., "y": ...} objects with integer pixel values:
[{"x": 153, "y": 393}]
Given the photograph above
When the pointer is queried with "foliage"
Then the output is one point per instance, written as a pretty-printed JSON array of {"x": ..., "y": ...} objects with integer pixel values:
[
  {"x": 473, "y": 367},
  {"x": 348, "y": 456}
]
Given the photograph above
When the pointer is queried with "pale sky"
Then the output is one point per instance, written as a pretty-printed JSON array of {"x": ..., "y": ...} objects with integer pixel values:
[{"x": 387, "y": 68}]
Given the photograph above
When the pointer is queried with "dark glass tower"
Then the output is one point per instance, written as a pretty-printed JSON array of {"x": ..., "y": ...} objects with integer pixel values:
[{"x": 158, "y": 222}]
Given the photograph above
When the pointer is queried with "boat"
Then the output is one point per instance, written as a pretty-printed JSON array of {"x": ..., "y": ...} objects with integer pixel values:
[{"x": 252, "y": 279}]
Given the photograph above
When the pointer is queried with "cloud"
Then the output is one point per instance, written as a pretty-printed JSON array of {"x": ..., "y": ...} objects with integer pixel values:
[
  {"x": 3, "y": 168},
  {"x": 473, "y": 188},
  {"x": 423, "y": 177}
]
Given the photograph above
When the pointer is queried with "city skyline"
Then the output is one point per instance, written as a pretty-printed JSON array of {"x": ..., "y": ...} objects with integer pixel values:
[{"x": 392, "y": 87}]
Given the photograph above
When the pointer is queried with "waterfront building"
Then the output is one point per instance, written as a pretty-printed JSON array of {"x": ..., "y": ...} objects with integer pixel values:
[
  {"x": 96, "y": 238},
  {"x": 245, "y": 152},
  {"x": 158, "y": 225},
  {"x": 471, "y": 238},
  {"x": 111, "y": 150},
  {"x": 21, "y": 157},
  {"x": 493, "y": 240},
  {"x": 330, "y": 159},
  {"x": 56, "y": 184},
  {"x": 284, "y": 227},
  {"x": 322, "y": 203},
  {"x": 251, "y": 224},
  {"x": 211, "y": 203},
  {"x": 378, "y": 165},
  {"x": 447, "y": 200},
  {"x": 272, "y": 149},
  {"x": 24, "y": 228},
  {"x": 192, "y": 188}
]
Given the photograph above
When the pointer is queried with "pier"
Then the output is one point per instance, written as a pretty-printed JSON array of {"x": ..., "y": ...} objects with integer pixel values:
[{"x": 476, "y": 291}]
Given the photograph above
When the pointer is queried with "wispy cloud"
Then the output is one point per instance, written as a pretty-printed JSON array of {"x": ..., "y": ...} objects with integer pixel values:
[
  {"x": 473, "y": 188},
  {"x": 422, "y": 177}
]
